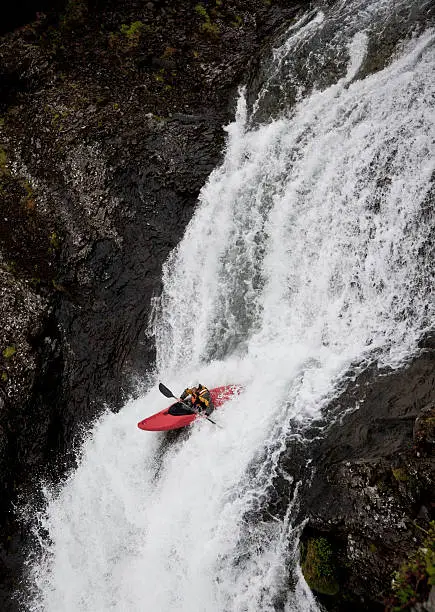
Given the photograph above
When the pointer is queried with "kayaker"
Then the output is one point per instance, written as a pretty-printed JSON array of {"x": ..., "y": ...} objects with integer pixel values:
[{"x": 200, "y": 398}]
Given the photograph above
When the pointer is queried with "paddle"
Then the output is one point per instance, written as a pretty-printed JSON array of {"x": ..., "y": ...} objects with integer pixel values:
[{"x": 167, "y": 393}]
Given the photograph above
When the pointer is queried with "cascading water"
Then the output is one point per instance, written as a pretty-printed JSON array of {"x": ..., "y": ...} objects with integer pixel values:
[{"x": 310, "y": 250}]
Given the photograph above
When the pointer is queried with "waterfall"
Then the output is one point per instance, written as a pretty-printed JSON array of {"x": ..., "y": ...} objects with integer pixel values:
[{"x": 309, "y": 251}]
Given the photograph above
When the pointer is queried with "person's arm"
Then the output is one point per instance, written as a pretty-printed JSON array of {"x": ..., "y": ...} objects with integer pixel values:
[
  {"x": 185, "y": 393},
  {"x": 208, "y": 402},
  {"x": 203, "y": 400}
]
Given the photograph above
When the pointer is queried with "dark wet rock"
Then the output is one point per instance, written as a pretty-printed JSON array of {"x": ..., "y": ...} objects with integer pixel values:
[
  {"x": 112, "y": 118},
  {"x": 371, "y": 491},
  {"x": 428, "y": 606},
  {"x": 424, "y": 431},
  {"x": 19, "y": 14},
  {"x": 283, "y": 83}
]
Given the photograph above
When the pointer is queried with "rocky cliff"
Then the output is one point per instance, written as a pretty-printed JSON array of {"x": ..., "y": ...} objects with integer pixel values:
[
  {"x": 112, "y": 118},
  {"x": 367, "y": 500}
]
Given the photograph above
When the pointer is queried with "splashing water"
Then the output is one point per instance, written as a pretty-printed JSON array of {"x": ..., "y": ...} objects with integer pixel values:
[{"x": 310, "y": 250}]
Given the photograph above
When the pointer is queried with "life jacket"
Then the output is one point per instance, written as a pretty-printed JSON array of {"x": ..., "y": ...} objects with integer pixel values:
[{"x": 200, "y": 398}]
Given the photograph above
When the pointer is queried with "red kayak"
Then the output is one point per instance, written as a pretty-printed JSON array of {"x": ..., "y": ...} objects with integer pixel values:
[{"x": 177, "y": 416}]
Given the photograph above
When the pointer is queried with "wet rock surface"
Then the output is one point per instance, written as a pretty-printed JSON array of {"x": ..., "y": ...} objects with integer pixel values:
[
  {"x": 112, "y": 118},
  {"x": 371, "y": 475}
]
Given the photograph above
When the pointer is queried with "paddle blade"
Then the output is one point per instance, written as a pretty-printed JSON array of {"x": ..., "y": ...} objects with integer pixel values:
[{"x": 166, "y": 392}]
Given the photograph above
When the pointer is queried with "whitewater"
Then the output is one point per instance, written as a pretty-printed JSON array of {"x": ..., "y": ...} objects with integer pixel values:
[{"x": 310, "y": 251}]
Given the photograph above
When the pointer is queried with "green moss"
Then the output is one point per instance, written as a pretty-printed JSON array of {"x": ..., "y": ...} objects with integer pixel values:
[
  {"x": 237, "y": 23},
  {"x": 54, "y": 240},
  {"x": 210, "y": 28},
  {"x": 207, "y": 26},
  {"x": 413, "y": 581},
  {"x": 4, "y": 377},
  {"x": 169, "y": 52},
  {"x": 11, "y": 266},
  {"x": 57, "y": 116},
  {"x": 128, "y": 37},
  {"x": 381, "y": 486},
  {"x": 9, "y": 352},
  {"x": 27, "y": 186},
  {"x": 58, "y": 287},
  {"x": 3, "y": 161},
  {"x": 318, "y": 567},
  {"x": 400, "y": 474},
  {"x": 202, "y": 11},
  {"x": 132, "y": 32}
]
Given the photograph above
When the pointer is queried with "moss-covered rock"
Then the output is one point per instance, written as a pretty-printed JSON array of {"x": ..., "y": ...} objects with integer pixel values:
[
  {"x": 412, "y": 583},
  {"x": 400, "y": 474},
  {"x": 318, "y": 566},
  {"x": 9, "y": 352},
  {"x": 424, "y": 432}
]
